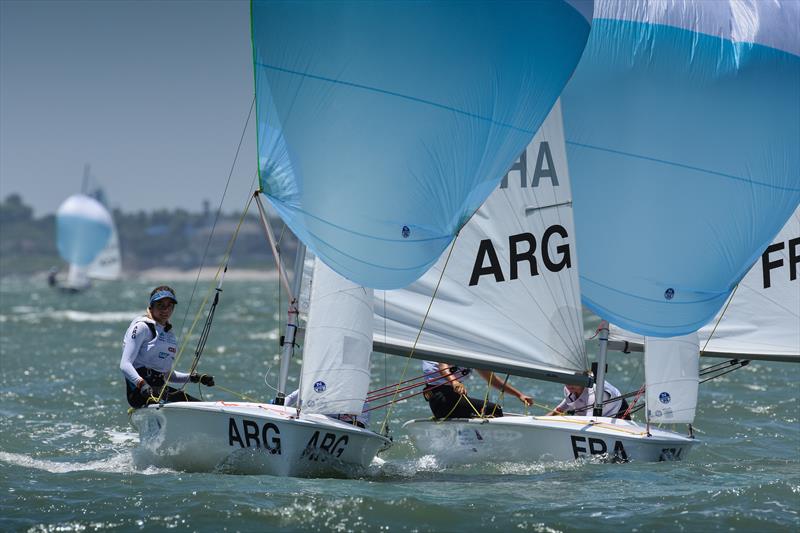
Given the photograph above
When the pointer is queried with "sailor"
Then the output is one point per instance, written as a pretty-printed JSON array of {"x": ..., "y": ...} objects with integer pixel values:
[
  {"x": 51, "y": 276},
  {"x": 579, "y": 400},
  {"x": 360, "y": 420},
  {"x": 447, "y": 395},
  {"x": 148, "y": 350}
]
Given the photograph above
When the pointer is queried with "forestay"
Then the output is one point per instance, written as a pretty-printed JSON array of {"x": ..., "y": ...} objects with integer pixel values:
[
  {"x": 338, "y": 343},
  {"x": 683, "y": 126},
  {"x": 509, "y": 298},
  {"x": 671, "y": 368},
  {"x": 383, "y": 126},
  {"x": 762, "y": 319},
  {"x": 83, "y": 227}
]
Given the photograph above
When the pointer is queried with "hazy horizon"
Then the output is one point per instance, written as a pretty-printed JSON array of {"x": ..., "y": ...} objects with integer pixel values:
[{"x": 153, "y": 95}]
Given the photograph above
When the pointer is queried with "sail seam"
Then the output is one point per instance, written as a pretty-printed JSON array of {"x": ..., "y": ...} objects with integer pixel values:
[
  {"x": 681, "y": 165},
  {"x": 399, "y": 95}
]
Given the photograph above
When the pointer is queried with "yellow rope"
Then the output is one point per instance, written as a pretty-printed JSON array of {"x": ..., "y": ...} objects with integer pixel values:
[
  {"x": 205, "y": 300},
  {"x": 239, "y": 394},
  {"x": 488, "y": 391},
  {"x": 419, "y": 333},
  {"x": 447, "y": 416},
  {"x": 590, "y": 422}
]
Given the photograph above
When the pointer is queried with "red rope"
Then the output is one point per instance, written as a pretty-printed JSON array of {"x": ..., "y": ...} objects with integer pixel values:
[
  {"x": 425, "y": 375},
  {"x": 633, "y": 403}
]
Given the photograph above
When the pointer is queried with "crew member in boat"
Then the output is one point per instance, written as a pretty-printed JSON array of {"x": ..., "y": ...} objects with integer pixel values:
[
  {"x": 579, "y": 400},
  {"x": 148, "y": 351},
  {"x": 447, "y": 395}
]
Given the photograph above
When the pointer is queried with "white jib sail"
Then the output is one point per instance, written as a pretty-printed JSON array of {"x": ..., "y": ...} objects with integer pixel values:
[
  {"x": 509, "y": 299},
  {"x": 338, "y": 343},
  {"x": 77, "y": 278},
  {"x": 108, "y": 264},
  {"x": 763, "y": 315},
  {"x": 671, "y": 368}
]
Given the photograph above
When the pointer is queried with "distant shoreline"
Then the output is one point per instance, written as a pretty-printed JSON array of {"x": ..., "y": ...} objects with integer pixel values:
[
  {"x": 171, "y": 274},
  {"x": 208, "y": 273}
]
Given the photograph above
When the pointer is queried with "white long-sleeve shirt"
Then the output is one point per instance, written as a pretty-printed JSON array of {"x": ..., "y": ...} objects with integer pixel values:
[
  {"x": 141, "y": 349},
  {"x": 582, "y": 404}
]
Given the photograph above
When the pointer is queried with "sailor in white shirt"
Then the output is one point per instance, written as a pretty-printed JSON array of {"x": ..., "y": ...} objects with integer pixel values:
[
  {"x": 149, "y": 349},
  {"x": 579, "y": 400}
]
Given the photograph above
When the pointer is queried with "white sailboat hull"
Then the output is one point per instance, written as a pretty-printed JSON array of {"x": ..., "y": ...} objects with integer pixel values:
[
  {"x": 517, "y": 438},
  {"x": 252, "y": 438}
]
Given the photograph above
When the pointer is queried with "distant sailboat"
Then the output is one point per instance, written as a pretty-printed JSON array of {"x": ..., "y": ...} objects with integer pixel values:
[
  {"x": 86, "y": 237},
  {"x": 382, "y": 128}
]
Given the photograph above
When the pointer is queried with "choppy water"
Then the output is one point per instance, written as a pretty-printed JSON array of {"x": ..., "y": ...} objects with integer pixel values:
[{"x": 66, "y": 461}]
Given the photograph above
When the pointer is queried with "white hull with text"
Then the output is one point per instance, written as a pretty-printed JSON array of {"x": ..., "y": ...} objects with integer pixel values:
[
  {"x": 252, "y": 438},
  {"x": 518, "y": 438}
]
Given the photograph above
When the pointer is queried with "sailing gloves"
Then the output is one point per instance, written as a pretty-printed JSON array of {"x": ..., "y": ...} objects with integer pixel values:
[
  {"x": 204, "y": 379},
  {"x": 144, "y": 389}
]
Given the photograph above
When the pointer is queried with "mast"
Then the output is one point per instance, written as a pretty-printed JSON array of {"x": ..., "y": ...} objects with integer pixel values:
[
  {"x": 293, "y": 293},
  {"x": 292, "y": 322},
  {"x": 600, "y": 378}
]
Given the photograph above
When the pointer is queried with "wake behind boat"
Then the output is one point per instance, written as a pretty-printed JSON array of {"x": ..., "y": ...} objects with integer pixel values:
[{"x": 252, "y": 438}]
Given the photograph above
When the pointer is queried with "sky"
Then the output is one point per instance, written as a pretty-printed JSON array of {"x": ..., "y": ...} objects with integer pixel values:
[{"x": 153, "y": 95}]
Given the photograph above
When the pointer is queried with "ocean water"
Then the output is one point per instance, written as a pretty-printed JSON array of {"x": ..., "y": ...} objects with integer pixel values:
[{"x": 67, "y": 449}]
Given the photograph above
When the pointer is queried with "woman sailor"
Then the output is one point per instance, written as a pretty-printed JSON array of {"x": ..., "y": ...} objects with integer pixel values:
[{"x": 148, "y": 350}]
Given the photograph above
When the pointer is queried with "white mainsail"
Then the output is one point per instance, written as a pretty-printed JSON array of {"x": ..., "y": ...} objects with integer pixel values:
[
  {"x": 335, "y": 374},
  {"x": 762, "y": 317},
  {"x": 509, "y": 299},
  {"x": 672, "y": 368}
]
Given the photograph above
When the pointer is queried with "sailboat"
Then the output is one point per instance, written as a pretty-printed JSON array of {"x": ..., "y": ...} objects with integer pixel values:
[
  {"x": 675, "y": 195},
  {"x": 509, "y": 301},
  {"x": 382, "y": 128},
  {"x": 87, "y": 239}
]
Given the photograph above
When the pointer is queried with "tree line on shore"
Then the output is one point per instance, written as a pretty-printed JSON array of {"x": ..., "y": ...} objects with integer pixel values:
[{"x": 161, "y": 238}]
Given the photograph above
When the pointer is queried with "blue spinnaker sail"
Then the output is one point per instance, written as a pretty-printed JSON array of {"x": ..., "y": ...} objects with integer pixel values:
[
  {"x": 683, "y": 137},
  {"x": 83, "y": 227},
  {"x": 383, "y": 126}
]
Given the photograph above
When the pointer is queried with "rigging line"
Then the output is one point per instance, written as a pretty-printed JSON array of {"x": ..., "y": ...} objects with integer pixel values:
[
  {"x": 722, "y": 314},
  {"x": 719, "y": 366},
  {"x": 239, "y": 394},
  {"x": 216, "y": 216},
  {"x": 500, "y": 398},
  {"x": 728, "y": 371},
  {"x": 426, "y": 377},
  {"x": 211, "y": 287},
  {"x": 421, "y": 327}
]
